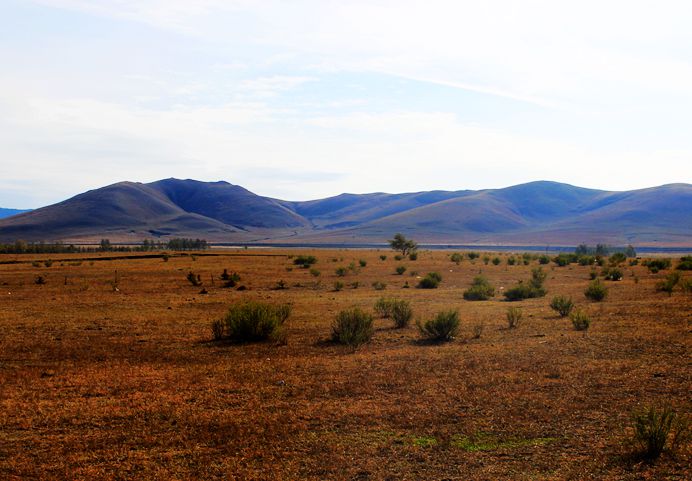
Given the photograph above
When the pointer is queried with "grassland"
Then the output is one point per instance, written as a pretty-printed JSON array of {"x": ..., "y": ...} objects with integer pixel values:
[{"x": 107, "y": 371}]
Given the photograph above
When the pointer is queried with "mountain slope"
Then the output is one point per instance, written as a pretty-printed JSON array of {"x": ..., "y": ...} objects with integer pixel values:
[
  {"x": 534, "y": 213},
  {"x": 10, "y": 212}
]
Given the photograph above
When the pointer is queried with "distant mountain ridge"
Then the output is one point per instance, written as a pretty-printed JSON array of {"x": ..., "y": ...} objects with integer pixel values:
[
  {"x": 10, "y": 212},
  {"x": 536, "y": 213}
]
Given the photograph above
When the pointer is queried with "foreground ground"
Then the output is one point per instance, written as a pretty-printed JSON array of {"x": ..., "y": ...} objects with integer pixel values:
[{"x": 107, "y": 372}]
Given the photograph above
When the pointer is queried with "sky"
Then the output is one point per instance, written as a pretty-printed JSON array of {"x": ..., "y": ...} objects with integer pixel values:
[{"x": 307, "y": 99}]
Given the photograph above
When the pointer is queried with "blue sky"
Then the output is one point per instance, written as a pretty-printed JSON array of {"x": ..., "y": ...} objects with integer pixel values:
[{"x": 307, "y": 99}]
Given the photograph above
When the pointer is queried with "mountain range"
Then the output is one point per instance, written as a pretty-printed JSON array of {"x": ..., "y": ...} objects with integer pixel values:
[{"x": 536, "y": 213}]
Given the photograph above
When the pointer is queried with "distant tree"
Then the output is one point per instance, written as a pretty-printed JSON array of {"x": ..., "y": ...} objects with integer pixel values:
[
  {"x": 105, "y": 245},
  {"x": 630, "y": 252},
  {"x": 402, "y": 244},
  {"x": 602, "y": 250},
  {"x": 582, "y": 250}
]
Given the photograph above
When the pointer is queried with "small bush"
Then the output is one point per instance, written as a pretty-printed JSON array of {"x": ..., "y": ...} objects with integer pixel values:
[
  {"x": 36, "y": 264},
  {"x": 580, "y": 320},
  {"x": 363, "y": 262},
  {"x": 379, "y": 286},
  {"x": 338, "y": 285},
  {"x": 473, "y": 255},
  {"x": 217, "y": 330},
  {"x": 341, "y": 271},
  {"x": 383, "y": 307},
  {"x": 430, "y": 281},
  {"x": 656, "y": 265},
  {"x": 593, "y": 274},
  {"x": 514, "y": 315},
  {"x": 48, "y": 263},
  {"x": 352, "y": 327},
  {"x": 400, "y": 270},
  {"x": 686, "y": 285},
  {"x": 562, "y": 305},
  {"x": 596, "y": 291},
  {"x": 544, "y": 259},
  {"x": 685, "y": 264},
  {"x": 194, "y": 279},
  {"x": 40, "y": 280},
  {"x": 252, "y": 321},
  {"x": 669, "y": 283},
  {"x": 617, "y": 258},
  {"x": 586, "y": 260},
  {"x": 523, "y": 291},
  {"x": 480, "y": 290},
  {"x": 383, "y": 257},
  {"x": 355, "y": 285},
  {"x": 653, "y": 428},
  {"x": 478, "y": 330},
  {"x": 314, "y": 272},
  {"x": 304, "y": 261},
  {"x": 613, "y": 274},
  {"x": 398, "y": 257},
  {"x": 496, "y": 261},
  {"x": 486, "y": 260},
  {"x": 413, "y": 256},
  {"x": 456, "y": 258},
  {"x": 401, "y": 313},
  {"x": 443, "y": 327},
  {"x": 538, "y": 277}
]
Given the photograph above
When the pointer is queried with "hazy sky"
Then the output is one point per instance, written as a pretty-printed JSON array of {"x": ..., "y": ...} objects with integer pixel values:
[{"x": 306, "y": 99}]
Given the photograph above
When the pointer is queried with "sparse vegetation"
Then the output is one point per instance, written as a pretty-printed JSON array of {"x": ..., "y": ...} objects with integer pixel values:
[
  {"x": 400, "y": 269},
  {"x": 194, "y": 279},
  {"x": 443, "y": 327},
  {"x": 401, "y": 312},
  {"x": 252, "y": 321},
  {"x": 480, "y": 290},
  {"x": 383, "y": 307},
  {"x": 533, "y": 288},
  {"x": 654, "y": 428},
  {"x": 580, "y": 320},
  {"x": 352, "y": 327},
  {"x": 514, "y": 315},
  {"x": 304, "y": 261},
  {"x": 669, "y": 283},
  {"x": 430, "y": 281},
  {"x": 379, "y": 285},
  {"x": 596, "y": 291},
  {"x": 563, "y": 305},
  {"x": 456, "y": 258},
  {"x": 402, "y": 244}
]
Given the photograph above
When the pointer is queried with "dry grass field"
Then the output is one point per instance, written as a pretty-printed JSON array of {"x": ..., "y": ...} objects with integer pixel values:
[{"x": 107, "y": 375}]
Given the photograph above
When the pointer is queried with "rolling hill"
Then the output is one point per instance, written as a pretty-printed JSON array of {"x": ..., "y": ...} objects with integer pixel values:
[
  {"x": 10, "y": 212},
  {"x": 536, "y": 213}
]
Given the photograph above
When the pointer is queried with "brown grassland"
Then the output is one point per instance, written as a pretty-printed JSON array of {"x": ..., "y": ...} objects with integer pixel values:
[{"x": 115, "y": 376}]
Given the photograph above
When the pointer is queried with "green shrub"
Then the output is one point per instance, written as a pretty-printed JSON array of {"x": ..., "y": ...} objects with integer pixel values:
[
  {"x": 593, "y": 274},
  {"x": 496, "y": 261},
  {"x": 305, "y": 261},
  {"x": 473, "y": 255},
  {"x": 456, "y": 258},
  {"x": 480, "y": 290},
  {"x": 341, "y": 271},
  {"x": 544, "y": 259},
  {"x": 669, "y": 283},
  {"x": 383, "y": 257},
  {"x": 252, "y": 321},
  {"x": 443, "y": 327},
  {"x": 363, "y": 262},
  {"x": 39, "y": 280},
  {"x": 617, "y": 258},
  {"x": 656, "y": 265},
  {"x": 379, "y": 286},
  {"x": 538, "y": 277},
  {"x": 686, "y": 285},
  {"x": 613, "y": 274},
  {"x": 513, "y": 317},
  {"x": 413, "y": 256},
  {"x": 486, "y": 260},
  {"x": 314, "y": 272},
  {"x": 352, "y": 327},
  {"x": 401, "y": 313},
  {"x": 596, "y": 291},
  {"x": 562, "y": 305},
  {"x": 48, "y": 263},
  {"x": 685, "y": 264},
  {"x": 652, "y": 429},
  {"x": 586, "y": 260},
  {"x": 430, "y": 281},
  {"x": 338, "y": 286},
  {"x": 383, "y": 307},
  {"x": 523, "y": 291},
  {"x": 580, "y": 320},
  {"x": 562, "y": 259},
  {"x": 400, "y": 269},
  {"x": 398, "y": 257},
  {"x": 355, "y": 285}
]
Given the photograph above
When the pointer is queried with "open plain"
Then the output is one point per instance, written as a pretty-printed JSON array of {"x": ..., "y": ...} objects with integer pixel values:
[{"x": 108, "y": 371}]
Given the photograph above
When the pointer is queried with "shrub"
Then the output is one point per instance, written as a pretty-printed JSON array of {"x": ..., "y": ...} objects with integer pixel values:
[
  {"x": 401, "y": 313},
  {"x": 398, "y": 257},
  {"x": 48, "y": 263},
  {"x": 473, "y": 255},
  {"x": 379, "y": 286},
  {"x": 477, "y": 330},
  {"x": 596, "y": 291},
  {"x": 383, "y": 257},
  {"x": 443, "y": 327},
  {"x": 252, "y": 321},
  {"x": 617, "y": 258},
  {"x": 314, "y": 272},
  {"x": 341, "y": 271},
  {"x": 430, "y": 281},
  {"x": 456, "y": 258},
  {"x": 305, "y": 261},
  {"x": 586, "y": 260},
  {"x": 669, "y": 283},
  {"x": 513, "y": 317},
  {"x": 486, "y": 260},
  {"x": 217, "y": 330},
  {"x": 686, "y": 285},
  {"x": 593, "y": 274},
  {"x": 383, "y": 307},
  {"x": 653, "y": 428},
  {"x": 538, "y": 277},
  {"x": 363, "y": 262},
  {"x": 355, "y": 285},
  {"x": 562, "y": 305},
  {"x": 413, "y": 256},
  {"x": 36, "y": 264},
  {"x": 613, "y": 274},
  {"x": 685, "y": 263},
  {"x": 352, "y": 327},
  {"x": 511, "y": 261},
  {"x": 400, "y": 270},
  {"x": 580, "y": 320},
  {"x": 280, "y": 285},
  {"x": 480, "y": 290},
  {"x": 656, "y": 265},
  {"x": 40, "y": 280},
  {"x": 496, "y": 261},
  {"x": 544, "y": 259},
  {"x": 562, "y": 259},
  {"x": 194, "y": 279},
  {"x": 338, "y": 285},
  {"x": 529, "y": 290}
]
